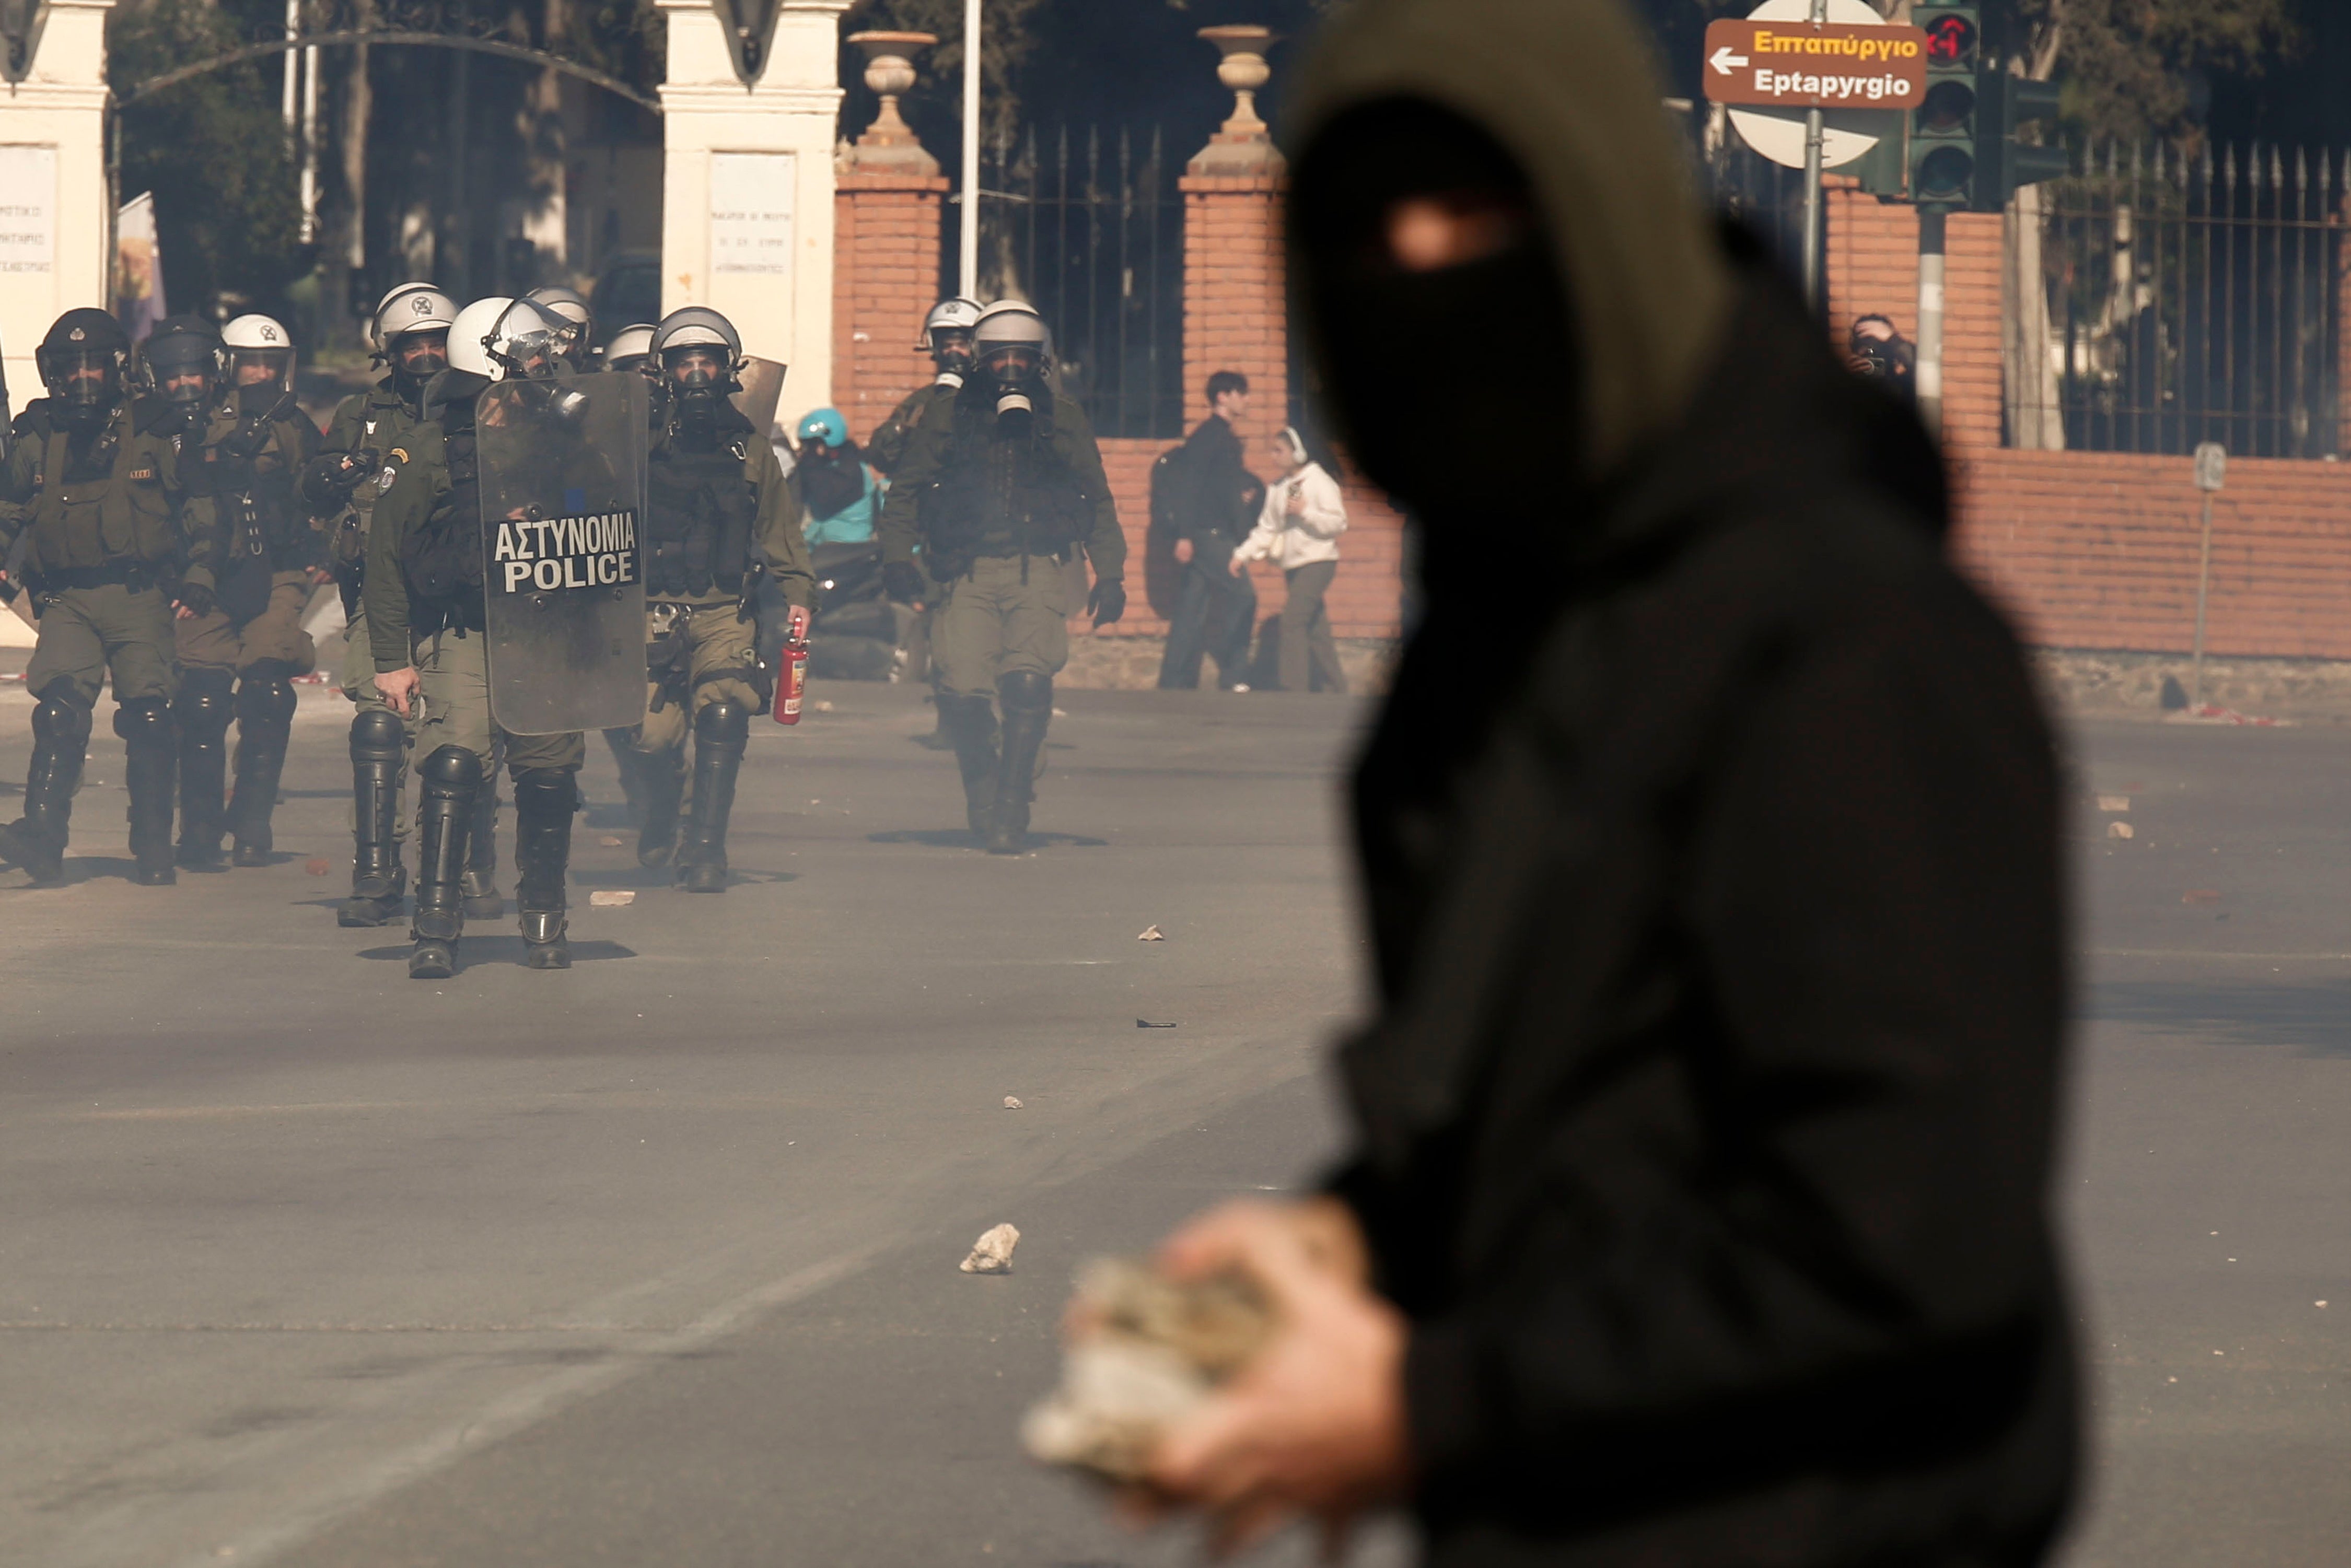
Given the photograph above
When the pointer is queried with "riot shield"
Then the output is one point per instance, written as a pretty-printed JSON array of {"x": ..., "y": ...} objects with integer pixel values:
[
  {"x": 562, "y": 467},
  {"x": 763, "y": 386}
]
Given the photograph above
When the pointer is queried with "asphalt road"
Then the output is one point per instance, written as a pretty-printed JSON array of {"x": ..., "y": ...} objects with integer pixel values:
[{"x": 655, "y": 1261}]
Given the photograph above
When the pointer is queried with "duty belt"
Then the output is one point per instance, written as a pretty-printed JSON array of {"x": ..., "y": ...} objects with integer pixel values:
[{"x": 127, "y": 573}]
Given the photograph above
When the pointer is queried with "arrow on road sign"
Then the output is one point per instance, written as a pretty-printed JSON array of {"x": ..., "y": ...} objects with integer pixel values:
[{"x": 1724, "y": 60}]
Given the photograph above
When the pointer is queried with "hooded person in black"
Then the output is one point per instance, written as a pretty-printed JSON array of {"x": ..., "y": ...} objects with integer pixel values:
[{"x": 1697, "y": 1211}]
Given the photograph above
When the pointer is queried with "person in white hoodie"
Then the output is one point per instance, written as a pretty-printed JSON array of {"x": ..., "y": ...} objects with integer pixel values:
[{"x": 1299, "y": 531}]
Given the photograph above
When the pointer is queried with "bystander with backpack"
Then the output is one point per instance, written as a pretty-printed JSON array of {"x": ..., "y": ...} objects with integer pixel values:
[{"x": 1205, "y": 495}]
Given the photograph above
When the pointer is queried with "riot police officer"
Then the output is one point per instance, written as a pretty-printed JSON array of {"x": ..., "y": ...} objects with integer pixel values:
[
  {"x": 947, "y": 337},
  {"x": 96, "y": 479},
  {"x": 370, "y": 431},
  {"x": 430, "y": 600},
  {"x": 631, "y": 349},
  {"x": 249, "y": 644},
  {"x": 569, "y": 308},
  {"x": 1000, "y": 487},
  {"x": 719, "y": 503}
]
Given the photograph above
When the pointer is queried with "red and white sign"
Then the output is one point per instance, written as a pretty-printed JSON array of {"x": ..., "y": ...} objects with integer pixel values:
[{"x": 1797, "y": 65}]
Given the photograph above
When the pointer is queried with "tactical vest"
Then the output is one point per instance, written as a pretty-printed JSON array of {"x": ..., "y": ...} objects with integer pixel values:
[
  {"x": 247, "y": 467},
  {"x": 442, "y": 556},
  {"x": 699, "y": 520},
  {"x": 1003, "y": 496},
  {"x": 121, "y": 519}
]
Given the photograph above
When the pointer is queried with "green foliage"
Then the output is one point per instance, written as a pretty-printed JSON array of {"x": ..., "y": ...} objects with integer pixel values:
[
  {"x": 2126, "y": 63},
  {"x": 227, "y": 212}
]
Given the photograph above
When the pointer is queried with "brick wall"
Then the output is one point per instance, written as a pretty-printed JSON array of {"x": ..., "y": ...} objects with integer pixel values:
[
  {"x": 885, "y": 277},
  {"x": 2090, "y": 549}
]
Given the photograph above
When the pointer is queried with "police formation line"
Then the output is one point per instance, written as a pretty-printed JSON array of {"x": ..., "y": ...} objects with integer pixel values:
[{"x": 531, "y": 539}]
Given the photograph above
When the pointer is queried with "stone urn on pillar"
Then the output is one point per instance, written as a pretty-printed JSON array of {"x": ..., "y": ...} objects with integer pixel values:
[
  {"x": 1240, "y": 145},
  {"x": 890, "y": 141}
]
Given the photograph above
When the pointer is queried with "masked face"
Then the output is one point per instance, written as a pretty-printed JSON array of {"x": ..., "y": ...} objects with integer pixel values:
[
  {"x": 419, "y": 356},
  {"x": 87, "y": 385},
  {"x": 951, "y": 350},
  {"x": 696, "y": 369}
]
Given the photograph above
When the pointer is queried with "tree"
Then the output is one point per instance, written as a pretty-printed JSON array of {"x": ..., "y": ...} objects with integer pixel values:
[
  {"x": 2130, "y": 67},
  {"x": 228, "y": 212}
]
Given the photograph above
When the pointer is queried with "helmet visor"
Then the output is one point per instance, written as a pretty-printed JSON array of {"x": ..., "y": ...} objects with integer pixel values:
[
  {"x": 81, "y": 375},
  {"x": 261, "y": 367},
  {"x": 695, "y": 367}
]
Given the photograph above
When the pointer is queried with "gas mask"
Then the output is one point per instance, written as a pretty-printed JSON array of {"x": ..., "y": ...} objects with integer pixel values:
[
  {"x": 1010, "y": 375},
  {"x": 416, "y": 358},
  {"x": 697, "y": 381},
  {"x": 951, "y": 353},
  {"x": 83, "y": 401}
]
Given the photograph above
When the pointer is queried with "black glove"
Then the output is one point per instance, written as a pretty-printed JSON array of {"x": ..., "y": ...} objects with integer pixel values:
[
  {"x": 901, "y": 581},
  {"x": 353, "y": 470},
  {"x": 1107, "y": 602},
  {"x": 196, "y": 599}
]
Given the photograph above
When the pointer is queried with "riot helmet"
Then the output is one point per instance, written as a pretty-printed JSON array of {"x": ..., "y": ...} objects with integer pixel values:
[
  {"x": 83, "y": 360},
  {"x": 1010, "y": 346},
  {"x": 529, "y": 340},
  {"x": 182, "y": 358},
  {"x": 469, "y": 338},
  {"x": 260, "y": 354},
  {"x": 699, "y": 351},
  {"x": 410, "y": 332},
  {"x": 631, "y": 347},
  {"x": 570, "y": 307},
  {"x": 947, "y": 336}
]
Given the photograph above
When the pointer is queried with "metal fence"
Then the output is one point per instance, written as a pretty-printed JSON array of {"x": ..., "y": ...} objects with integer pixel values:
[
  {"x": 1088, "y": 225},
  {"x": 2193, "y": 295}
]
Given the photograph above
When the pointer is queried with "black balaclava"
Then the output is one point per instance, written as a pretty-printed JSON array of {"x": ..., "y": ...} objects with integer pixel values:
[{"x": 1459, "y": 387}]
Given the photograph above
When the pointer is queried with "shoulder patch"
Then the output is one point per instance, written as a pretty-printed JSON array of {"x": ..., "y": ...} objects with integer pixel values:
[
  {"x": 399, "y": 454},
  {"x": 370, "y": 427},
  {"x": 385, "y": 480}
]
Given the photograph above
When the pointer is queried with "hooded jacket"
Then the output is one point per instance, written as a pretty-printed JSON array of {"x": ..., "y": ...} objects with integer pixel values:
[{"x": 1704, "y": 1126}]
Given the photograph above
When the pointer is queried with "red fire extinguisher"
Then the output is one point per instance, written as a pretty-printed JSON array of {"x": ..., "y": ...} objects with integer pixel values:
[{"x": 791, "y": 681}]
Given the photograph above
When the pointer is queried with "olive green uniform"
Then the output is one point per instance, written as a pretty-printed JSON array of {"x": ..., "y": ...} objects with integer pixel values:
[
  {"x": 376, "y": 421},
  {"x": 238, "y": 659},
  {"x": 111, "y": 538},
  {"x": 996, "y": 518},
  {"x": 999, "y": 508},
  {"x": 887, "y": 453},
  {"x": 702, "y": 632}
]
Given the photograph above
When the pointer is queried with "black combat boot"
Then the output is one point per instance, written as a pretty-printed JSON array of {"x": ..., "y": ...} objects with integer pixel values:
[
  {"x": 201, "y": 712},
  {"x": 150, "y": 770},
  {"x": 971, "y": 720},
  {"x": 544, "y": 799},
  {"x": 721, "y": 731},
  {"x": 445, "y": 786},
  {"x": 1028, "y": 698},
  {"x": 378, "y": 881},
  {"x": 483, "y": 899},
  {"x": 265, "y": 720},
  {"x": 36, "y": 841}
]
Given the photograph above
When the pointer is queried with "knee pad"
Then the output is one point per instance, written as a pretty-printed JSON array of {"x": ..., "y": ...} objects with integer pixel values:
[
  {"x": 1025, "y": 690},
  {"x": 265, "y": 701},
  {"x": 144, "y": 721},
  {"x": 451, "y": 771},
  {"x": 723, "y": 723},
  {"x": 62, "y": 715},
  {"x": 377, "y": 737},
  {"x": 203, "y": 705},
  {"x": 554, "y": 791}
]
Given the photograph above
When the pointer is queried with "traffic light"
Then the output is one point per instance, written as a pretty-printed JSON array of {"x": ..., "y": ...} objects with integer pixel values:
[
  {"x": 1943, "y": 156},
  {"x": 2008, "y": 165}
]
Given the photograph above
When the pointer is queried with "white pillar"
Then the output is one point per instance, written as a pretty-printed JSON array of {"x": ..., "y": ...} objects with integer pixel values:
[
  {"x": 748, "y": 186},
  {"x": 57, "y": 215}
]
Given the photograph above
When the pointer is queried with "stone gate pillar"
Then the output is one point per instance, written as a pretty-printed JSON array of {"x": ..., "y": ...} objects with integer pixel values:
[
  {"x": 1235, "y": 275},
  {"x": 748, "y": 186},
  {"x": 57, "y": 212},
  {"x": 887, "y": 245}
]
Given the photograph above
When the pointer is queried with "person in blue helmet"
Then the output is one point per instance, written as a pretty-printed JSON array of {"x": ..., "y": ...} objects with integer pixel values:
[{"x": 837, "y": 486}]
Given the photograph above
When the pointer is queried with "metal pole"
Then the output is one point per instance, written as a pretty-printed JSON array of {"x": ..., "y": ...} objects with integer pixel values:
[
  {"x": 1930, "y": 373},
  {"x": 293, "y": 31},
  {"x": 2203, "y": 581},
  {"x": 967, "y": 237},
  {"x": 309, "y": 144},
  {"x": 1814, "y": 133}
]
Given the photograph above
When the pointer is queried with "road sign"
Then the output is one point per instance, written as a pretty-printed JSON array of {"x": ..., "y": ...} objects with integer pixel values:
[
  {"x": 1783, "y": 65},
  {"x": 1778, "y": 133}
]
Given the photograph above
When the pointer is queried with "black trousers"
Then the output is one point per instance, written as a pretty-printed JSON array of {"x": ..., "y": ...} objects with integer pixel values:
[{"x": 1215, "y": 615}]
